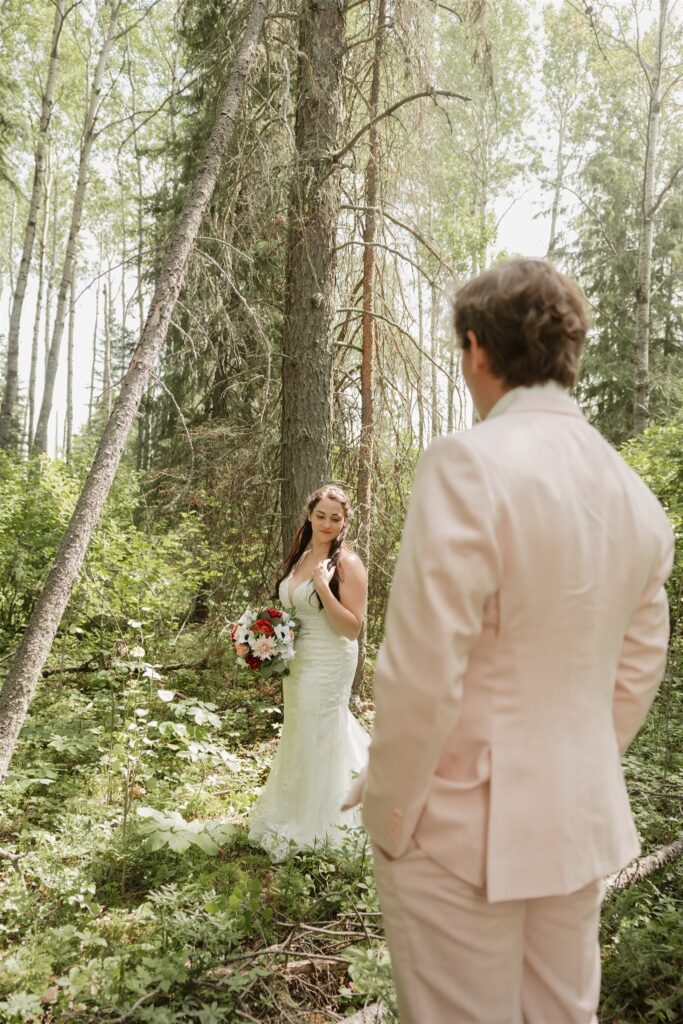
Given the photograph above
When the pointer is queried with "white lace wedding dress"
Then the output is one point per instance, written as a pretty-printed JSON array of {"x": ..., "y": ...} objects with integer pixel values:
[{"x": 321, "y": 745}]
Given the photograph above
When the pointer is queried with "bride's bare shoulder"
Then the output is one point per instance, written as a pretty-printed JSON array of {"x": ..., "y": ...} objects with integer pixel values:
[{"x": 351, "y": 563}]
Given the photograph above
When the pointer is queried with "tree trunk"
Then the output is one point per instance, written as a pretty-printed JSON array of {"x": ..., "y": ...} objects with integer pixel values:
[
  {"x": 307, "y": 344},
  {"x": 559, "y": 182},
  {"x": 421, "y": 361},
  {"x": 450, "y": 385},
  {"x": 77, "y": 210},
  {"x": 42, "y": 245},
  {"x": 8, "y": 434},
  {"x": 144, "y": 420},
  {"x": 644, "y": 867},
  {"x": 121, "y": 354},
  {"x": 51, "y": 273},
  {"x": 69, "y": 421},
  {"x": 434, "y": 352},
  {"x": 93, "y": 366},
  {"x": 374, "y": 1013},
  {"x": 10, "y": 249},
  {"x": 35, "y": 645},
  {"x": 643, "y": 288},
  {"x": 367, "y": 366},
  {"x": 106, "y": 368}
]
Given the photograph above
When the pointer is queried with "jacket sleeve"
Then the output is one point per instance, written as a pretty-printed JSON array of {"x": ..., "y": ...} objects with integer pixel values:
[
  {"x": 448, "y": 566},
  {"x": 643, "y": 652}
]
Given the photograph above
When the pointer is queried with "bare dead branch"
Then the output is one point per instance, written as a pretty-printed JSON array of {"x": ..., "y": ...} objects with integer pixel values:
[{"x": 430, "y": 93}]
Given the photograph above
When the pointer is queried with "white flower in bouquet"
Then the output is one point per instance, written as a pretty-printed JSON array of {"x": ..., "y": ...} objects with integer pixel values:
[
  {"x": 264, "y": 640},
  {"x": 264, "y": 647}
]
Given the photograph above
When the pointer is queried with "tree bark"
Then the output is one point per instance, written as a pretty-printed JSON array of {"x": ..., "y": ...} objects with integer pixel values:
[
  {"x": 645, "y": 866},
  {"x": 375, "y": 1013},
  {"x": 93, "y": 365},
  {"x": 643, "y": 284},
  {"x": 421, "y": 362},
  {"x": 434, "y": 352},
  {"x": 106, "y": 366},
  {"x": 450, "y": 387},
  {"x": 9, "y": 437},
  {"x": 74, "y": 229},
  {"x": 42, "y": 245},
  {"x": 10, "y": 249},
  {"x": 559, "y": 183},
  {"x": 69, "y": 421},
  {"x": 307, "y": 346},
  {"x": 35, "y": 645},
  {"x": 51, "y": 274},
  {"x": 144, "y": 420},
  {"x": 367, "y": 366}
]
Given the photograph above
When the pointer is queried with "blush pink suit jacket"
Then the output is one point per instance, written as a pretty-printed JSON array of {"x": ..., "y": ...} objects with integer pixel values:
[{"x": 525, "y": 639}]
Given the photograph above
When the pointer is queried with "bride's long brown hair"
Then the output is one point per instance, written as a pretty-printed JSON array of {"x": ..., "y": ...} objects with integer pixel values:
[{"x": 303, "y": 536}]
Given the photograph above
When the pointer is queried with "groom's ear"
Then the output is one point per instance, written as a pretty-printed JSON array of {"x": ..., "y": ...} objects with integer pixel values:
[{"x": 479, "y": 357}]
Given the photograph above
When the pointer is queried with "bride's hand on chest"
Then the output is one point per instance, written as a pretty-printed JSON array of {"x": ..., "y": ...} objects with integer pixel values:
[{"x": 322, "y": 573}]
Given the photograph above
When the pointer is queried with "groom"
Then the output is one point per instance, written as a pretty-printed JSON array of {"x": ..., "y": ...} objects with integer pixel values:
[{"x": 525, "y": 639}]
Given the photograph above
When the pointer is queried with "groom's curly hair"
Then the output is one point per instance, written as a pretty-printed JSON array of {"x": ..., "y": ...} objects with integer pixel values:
[{"x": 531, "y": 320}]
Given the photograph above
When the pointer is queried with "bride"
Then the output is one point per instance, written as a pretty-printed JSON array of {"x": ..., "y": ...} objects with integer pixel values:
[{"x": 321, "y": 744}]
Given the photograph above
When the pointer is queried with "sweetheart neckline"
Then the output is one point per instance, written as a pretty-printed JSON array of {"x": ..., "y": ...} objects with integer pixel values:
[{"x": 290, "y": 593}]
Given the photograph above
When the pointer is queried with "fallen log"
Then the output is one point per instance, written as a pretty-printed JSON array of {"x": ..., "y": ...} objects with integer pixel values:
[
  {"x": 375, "y": 1013},
  {"x": 643, "y": 867},
  {"x": 89, "y": 666}
]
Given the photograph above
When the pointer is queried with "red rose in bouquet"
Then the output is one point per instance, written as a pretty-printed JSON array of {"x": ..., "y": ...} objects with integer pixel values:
[
  {"x": 274, "y": 613},
  {"x": 253, "y": 662},
  {"x": 264, "y": 627}
]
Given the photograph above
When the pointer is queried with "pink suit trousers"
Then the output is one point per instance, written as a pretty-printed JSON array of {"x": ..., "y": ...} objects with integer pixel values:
[{"x": 459, "y": 959}]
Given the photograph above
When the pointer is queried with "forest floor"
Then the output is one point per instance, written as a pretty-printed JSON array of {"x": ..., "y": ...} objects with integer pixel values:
[{"x": 129, "y": 891}]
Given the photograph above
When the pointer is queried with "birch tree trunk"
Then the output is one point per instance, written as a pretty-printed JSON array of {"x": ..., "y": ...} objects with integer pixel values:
[
  {"x": 367, "y": 366},
  {"x": 311, "y": 258},
  {"x": 643, "y": 288},
  {"x": 144, "y": 426},
  {"x": 8, "y": 433},
  {"x": 35, "y": 645},
  {"x": 69, "y": 421},
  {"x": 42, "y": 245},
  {"x": 10, "y": 249},
  {"x": 52, "y": 264},
  {"x": 644, "y": 867},
  {"x": 450, "y": 385},
  {"x": 560, "y": 164},
  {"x": 93, "y": 365},
  {"x": 106, "y": 366},
  {"x": 420, "y": 379},
  {"x": 76, "y": 213},
  {"x": 124, "y": 251},
  {"x": 434, "y": 352}
]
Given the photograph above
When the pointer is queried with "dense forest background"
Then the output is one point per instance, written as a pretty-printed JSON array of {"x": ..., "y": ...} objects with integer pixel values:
[{"x": 374, "y": 152}]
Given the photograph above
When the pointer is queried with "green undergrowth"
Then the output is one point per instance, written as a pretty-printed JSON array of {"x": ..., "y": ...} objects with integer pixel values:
[
  {"x": 128, "y": 888},
  {"x": 642, "y": 938},
  {"x": 129, "y": 892}
]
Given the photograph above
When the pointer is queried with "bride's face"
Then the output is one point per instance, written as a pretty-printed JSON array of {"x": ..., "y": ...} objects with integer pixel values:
[{"x": 327, "y": 520}]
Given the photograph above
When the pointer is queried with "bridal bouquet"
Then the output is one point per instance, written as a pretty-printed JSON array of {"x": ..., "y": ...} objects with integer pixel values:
[{"x": 264, "y": 641}]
